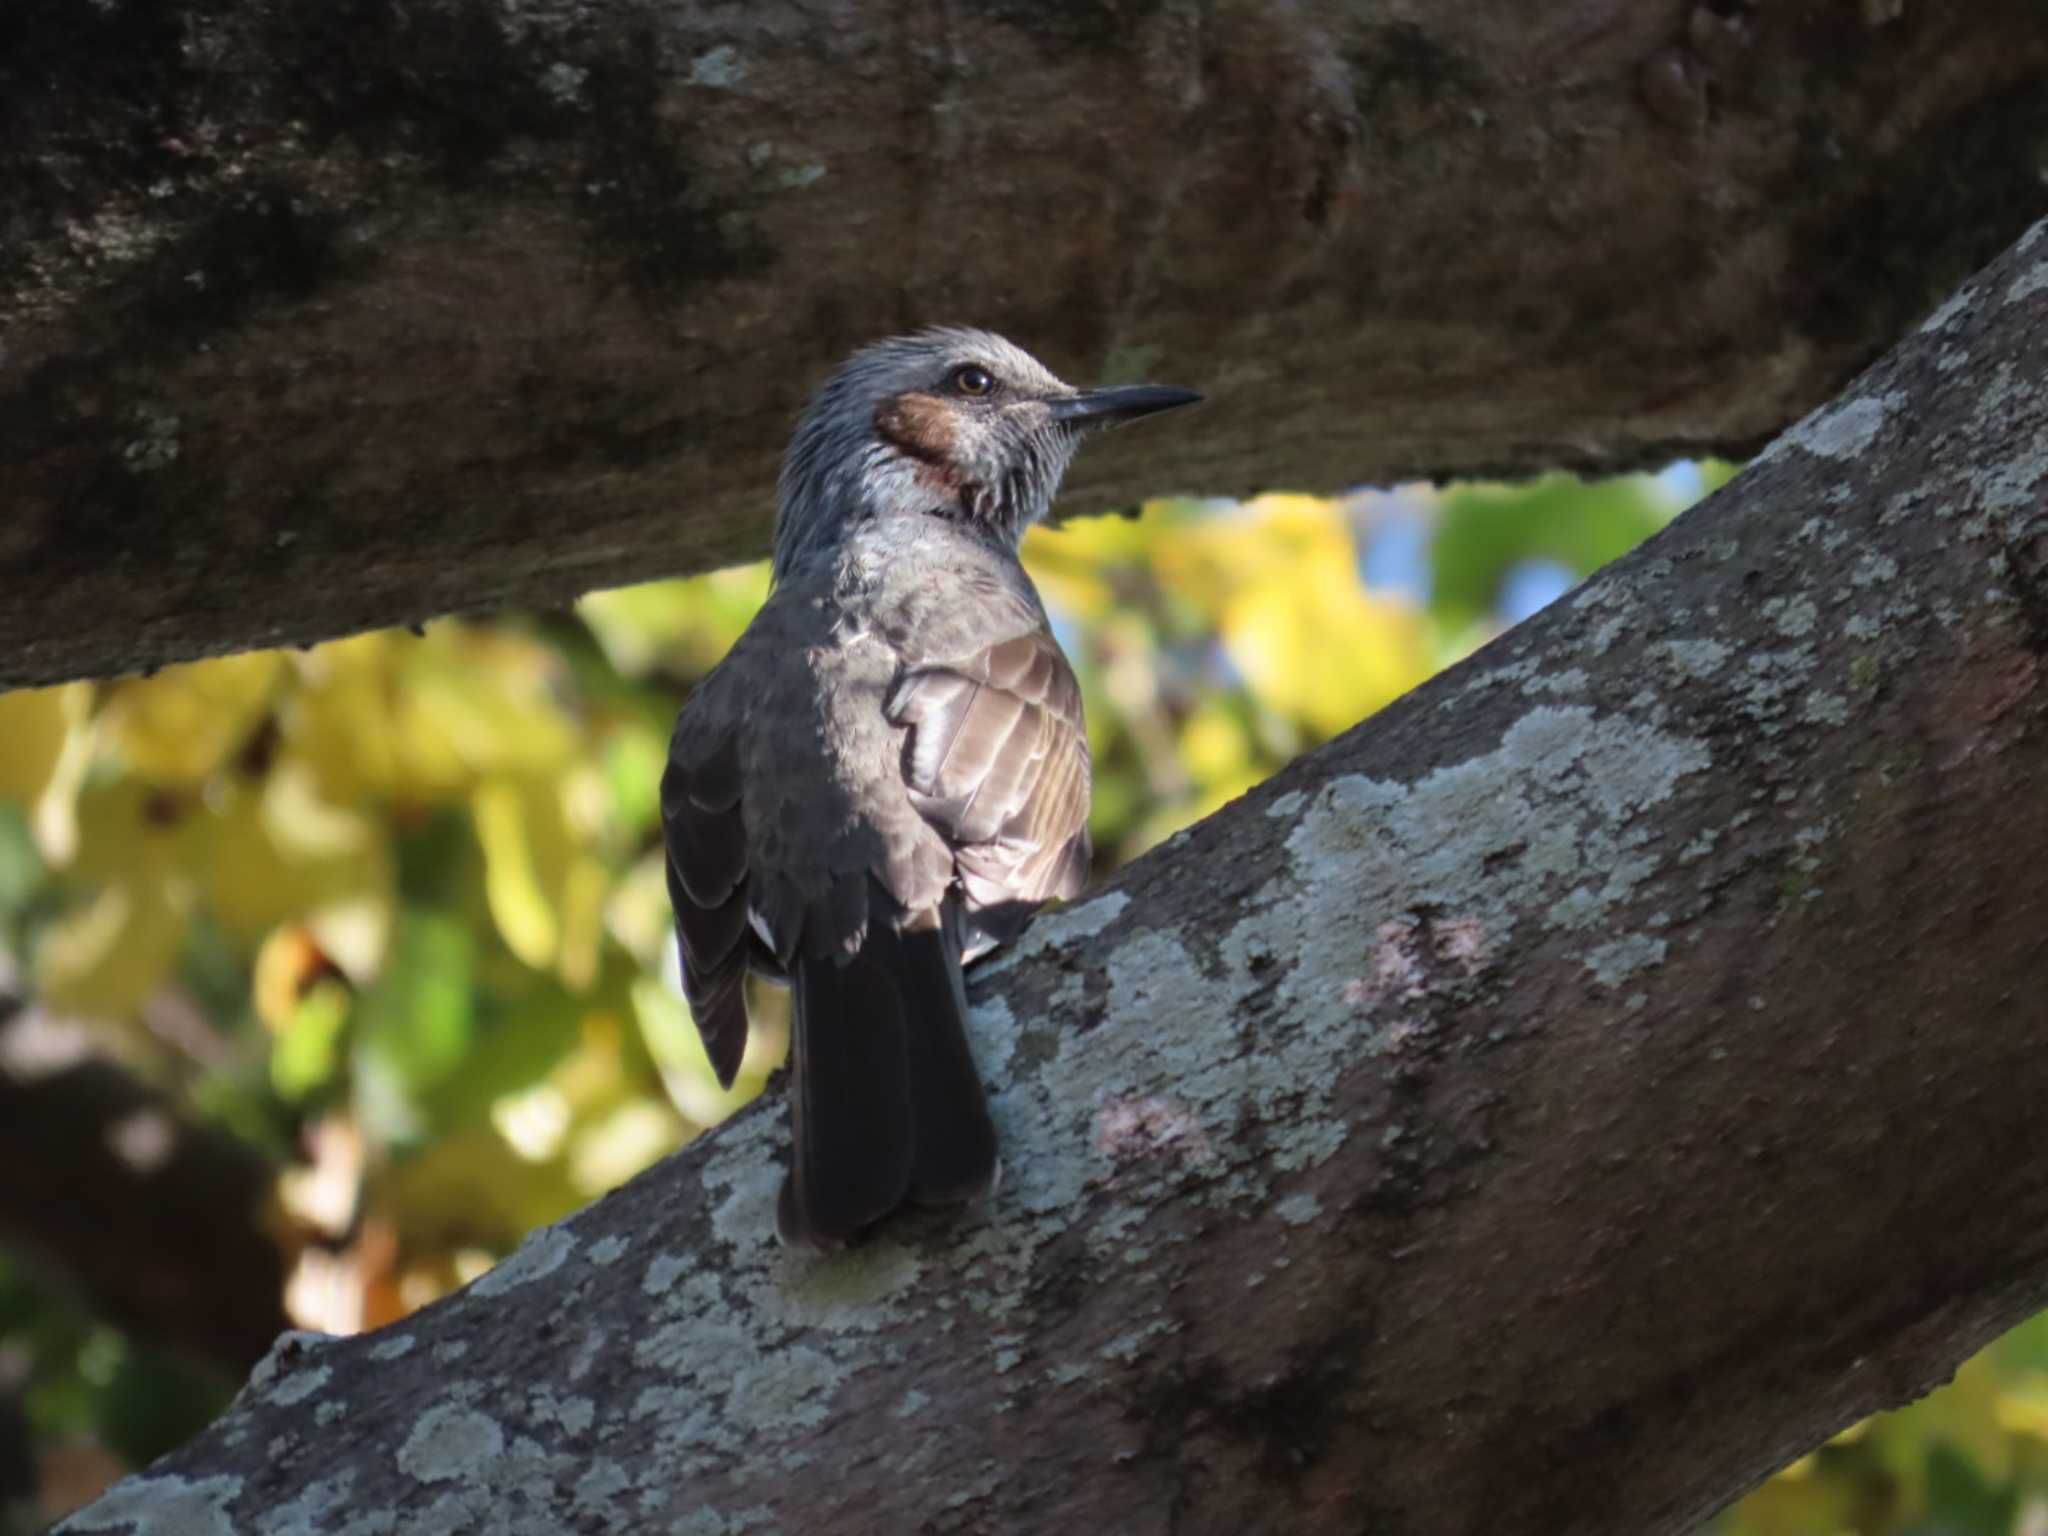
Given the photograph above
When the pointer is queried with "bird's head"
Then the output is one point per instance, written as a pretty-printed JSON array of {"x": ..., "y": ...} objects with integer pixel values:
[{"x": 950, "y": 423}]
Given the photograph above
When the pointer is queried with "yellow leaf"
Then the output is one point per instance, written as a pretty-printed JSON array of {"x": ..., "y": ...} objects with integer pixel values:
[
  {"x": 127, "y": 829},
  {"x": 527, "y": 854},
  {"x": 688, "y": 624},
  {"x": 34, "y": 725},
  {"x": 1322, "y": 649},
  {"x": 278, "y": 853},
  {"x": 1794, "y": 1505},
  {"x": 423, "y": 718},
  {"x": 534, "y": 1122},
  {"x": 488, "y": 698},
  {"x": 471, "y": 1189},
  {"x": 2023, "y": 1407},
  {"x": 637, "y": 911},
  {"x": 245, "y": 878},
  {"x": 1215, "y": 744},
  {"x": 107, "y": 958},
  {"x": 600, "y": 1069},
  {"x": 341, "y": 717},
  {"x": 1275, "y": 538},
  {"x": 1074, "y": 565},
  {"x": 1280, "y": 576},
  {"x": 585, "y": 891},
  {"x": 48, "y": 737},
  {"x": 611, "y": 1149},
  {"x": 179, "y": 726}
]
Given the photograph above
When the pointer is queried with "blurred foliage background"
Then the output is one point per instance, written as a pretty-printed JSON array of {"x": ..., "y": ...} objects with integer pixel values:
[{"x": 390, "y": 913}]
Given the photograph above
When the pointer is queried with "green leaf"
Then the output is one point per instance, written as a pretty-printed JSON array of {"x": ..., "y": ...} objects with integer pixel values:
[
  {"x": 308, "y": 1051},
  {"x": 84, "y": 1381},
  {"x": 1961, "y": 1501},
  {"x": 437, "y": 858},
  {"x": 2025, "y": 1348},
  {"x": 526, "y": 1022},
  {"x": 21, "y": 870},
  {"x": 150, "y": 1406},
  {"x": 414, "y": 1024},
  {"x": 634, "y": 759},
  {"x": 1487, "y": 530}
]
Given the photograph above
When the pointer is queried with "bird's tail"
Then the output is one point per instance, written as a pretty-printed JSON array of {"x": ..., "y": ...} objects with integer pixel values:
[{"x": 886, "y": 1105}]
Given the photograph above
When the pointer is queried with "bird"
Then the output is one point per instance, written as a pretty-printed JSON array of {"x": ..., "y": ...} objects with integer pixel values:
[{"x": 888, "y": 772}]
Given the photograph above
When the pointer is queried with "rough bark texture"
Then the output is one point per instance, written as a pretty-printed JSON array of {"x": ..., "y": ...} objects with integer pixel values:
[
  {"x": 163, "y": 1227},
  {"x": 17, "y": 1459},
  {"x": 1590, "y": 1083},
  {"x": 323, "y": 316}
]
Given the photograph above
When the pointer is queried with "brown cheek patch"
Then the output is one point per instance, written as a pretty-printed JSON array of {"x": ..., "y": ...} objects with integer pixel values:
[{"x": 922, "y": 426}]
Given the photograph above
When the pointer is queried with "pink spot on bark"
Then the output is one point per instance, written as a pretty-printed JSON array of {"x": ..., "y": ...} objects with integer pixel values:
[
  {"x": 1462, "y": 941},
  {"x": 1406, "y": 951},
  {"x": 1132, "y": 1128}
]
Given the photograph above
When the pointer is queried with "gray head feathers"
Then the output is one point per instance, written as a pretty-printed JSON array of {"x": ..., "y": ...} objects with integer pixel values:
[{"x": 952, "y": 423}]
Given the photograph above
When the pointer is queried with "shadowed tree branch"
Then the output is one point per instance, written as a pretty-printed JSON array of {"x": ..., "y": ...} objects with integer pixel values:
[
  {"x": 323, "y": 317},
  {"x": 151, "y": 1221},
  {"x": 1528, "y": 1025}
]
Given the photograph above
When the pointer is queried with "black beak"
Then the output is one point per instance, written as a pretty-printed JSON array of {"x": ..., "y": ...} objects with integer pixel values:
[{"x": 1107, "y": 407}]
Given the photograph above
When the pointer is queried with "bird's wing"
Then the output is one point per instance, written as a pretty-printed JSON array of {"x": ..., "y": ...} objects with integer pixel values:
[
  {"x": 707, "y": 884},
  {"x": 996, "y": 759}
]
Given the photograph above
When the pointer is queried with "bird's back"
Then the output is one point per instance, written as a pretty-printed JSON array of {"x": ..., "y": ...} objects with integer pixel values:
[{"x": 891, "y": 769}]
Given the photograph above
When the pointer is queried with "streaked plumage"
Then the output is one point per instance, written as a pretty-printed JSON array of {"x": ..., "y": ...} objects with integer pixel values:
[{"x": 889, "y": 771}]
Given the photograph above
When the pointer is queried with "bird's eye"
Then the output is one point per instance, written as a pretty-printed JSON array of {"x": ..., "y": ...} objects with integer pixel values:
[{"x": 973, "y": 381}]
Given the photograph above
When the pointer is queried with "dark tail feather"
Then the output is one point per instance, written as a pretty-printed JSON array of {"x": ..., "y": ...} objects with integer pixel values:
[
  {"x": 886, "y": 1104},
  {"x": 955, "y": 1153},
  {"x": 849, "y": 1106}
]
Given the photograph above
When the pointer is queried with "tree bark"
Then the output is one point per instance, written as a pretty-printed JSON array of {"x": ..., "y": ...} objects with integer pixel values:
[
  {"x": 1595, "y": 1080},
  {"x": 18, "y": 1480},
  {"x": 318, "y": 317},
  {"x": 161, "y": 1226}
]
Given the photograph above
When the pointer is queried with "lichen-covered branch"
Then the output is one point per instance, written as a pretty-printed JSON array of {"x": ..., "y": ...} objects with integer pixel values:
[
  {"x": 316, "y": 317},
  {"x": 1430, "y": 1142}
]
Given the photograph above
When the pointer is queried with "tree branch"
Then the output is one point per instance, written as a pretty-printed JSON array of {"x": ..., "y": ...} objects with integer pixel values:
[
  {"x": 153, "y": 1222},
  {"x": 321, "y": 317},
  {"x": 1630, "y": 1040}
]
